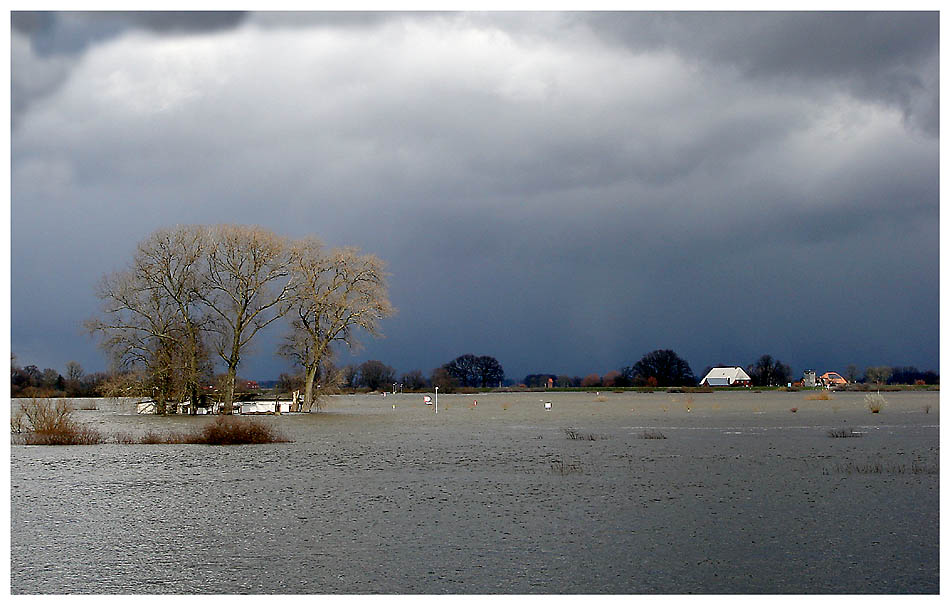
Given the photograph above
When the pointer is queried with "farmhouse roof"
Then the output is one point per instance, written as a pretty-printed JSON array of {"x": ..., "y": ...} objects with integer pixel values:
[{"x": 731, "y": 374}]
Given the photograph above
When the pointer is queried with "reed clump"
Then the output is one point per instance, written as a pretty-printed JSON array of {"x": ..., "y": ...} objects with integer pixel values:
[
  {"x": 820, "y": 396},
  {"x": 875, "y": 402}
]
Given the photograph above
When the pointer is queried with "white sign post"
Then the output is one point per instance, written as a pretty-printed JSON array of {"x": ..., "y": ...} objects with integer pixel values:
[{"x": 436, "y": 400}]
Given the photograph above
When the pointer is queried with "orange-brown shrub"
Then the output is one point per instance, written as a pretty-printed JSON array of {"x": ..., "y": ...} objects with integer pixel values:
[
  {"x": 42, "y": 421},
  {"x": 228, "y": 430}
]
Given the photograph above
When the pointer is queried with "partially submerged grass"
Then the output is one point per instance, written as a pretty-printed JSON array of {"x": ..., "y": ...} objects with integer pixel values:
[
  {"x": 841, "y": 433},
  {"x": 820, "y": 396},
  {"x": 576, "y": 435},
  {"x": 225, "y": 430},
  {"x": 878, "y": 467},
  {"x": 875, "y": 402},
  {"x": 652, "y": 435},
  {"x": 559, "y": 467}
]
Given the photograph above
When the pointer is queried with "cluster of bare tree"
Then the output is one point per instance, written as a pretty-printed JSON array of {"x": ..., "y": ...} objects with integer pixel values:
[
  {"x": 30, "y": 381},
  {"x": 196, "y": 294}
]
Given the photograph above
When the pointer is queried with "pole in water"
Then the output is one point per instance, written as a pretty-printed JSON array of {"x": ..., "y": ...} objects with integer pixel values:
[{"x": 436, "y": 400}]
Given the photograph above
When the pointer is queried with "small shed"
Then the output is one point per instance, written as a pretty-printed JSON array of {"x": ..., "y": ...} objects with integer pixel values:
[
  {"x": 808, "y": 379},
  {"x": 263, "y": 407},
  {"x": 726, "y": 377}
]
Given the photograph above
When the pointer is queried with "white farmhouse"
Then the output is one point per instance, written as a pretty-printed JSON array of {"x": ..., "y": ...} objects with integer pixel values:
[{"x": 726, "y": 377}]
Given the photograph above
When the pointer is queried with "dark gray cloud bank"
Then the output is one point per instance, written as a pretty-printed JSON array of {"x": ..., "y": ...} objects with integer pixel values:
[{"x": 563, "y": 191}]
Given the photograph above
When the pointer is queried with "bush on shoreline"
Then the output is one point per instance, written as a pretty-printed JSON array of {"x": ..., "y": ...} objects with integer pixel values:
[
  {"x": 228, "y": 430},
  {"x": 44, "y": 421}
]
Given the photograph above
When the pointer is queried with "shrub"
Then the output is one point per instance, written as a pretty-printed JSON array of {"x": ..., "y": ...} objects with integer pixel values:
[
  {"x": 875, "y": 402},
  {"x": 73, "y": 435},
  {"x": 18, "y": 421},
  {"x": 228, "y": 430},
  {"x": 42, "y": 421},
  {"x": 45, "y": 415},
  {"x": 821, "y": 396}
]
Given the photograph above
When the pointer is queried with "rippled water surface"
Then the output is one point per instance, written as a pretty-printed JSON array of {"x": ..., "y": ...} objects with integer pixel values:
[{"x": 742, "y": 496}]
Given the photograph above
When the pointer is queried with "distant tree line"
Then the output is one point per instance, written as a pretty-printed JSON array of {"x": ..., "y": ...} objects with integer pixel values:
[
  {"x": 659, "y": 368},
  {"x": 664, "y": 368},
  {"x": 465, "y": 371},
  {"x": 30, "y": 381}
]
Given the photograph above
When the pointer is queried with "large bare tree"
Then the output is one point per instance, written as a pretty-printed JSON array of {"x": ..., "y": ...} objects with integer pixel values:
[
  {"x": 152, "y": 318},
  {"x": 139, "y": 330},
  {"x": 172, "y": 260},
  {"x": 336, "y": 294},
  {"x": 248, "y": 286}
]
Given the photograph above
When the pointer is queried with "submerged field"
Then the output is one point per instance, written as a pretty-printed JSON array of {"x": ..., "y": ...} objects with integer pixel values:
[{"x": 735, "y": 493}]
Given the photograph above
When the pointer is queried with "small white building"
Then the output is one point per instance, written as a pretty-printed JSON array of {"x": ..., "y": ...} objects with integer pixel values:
[
  {"x": 808, "y": 379},
  {"x": 263, "y": 407},
  {"x": 726, "y": 377}
]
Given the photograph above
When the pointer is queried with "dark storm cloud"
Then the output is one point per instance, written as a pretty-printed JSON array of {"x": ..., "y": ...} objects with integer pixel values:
[
  {"x": 70, "y": 32},
  {"x": 563, "y": 191},
  {"x": 46, "y": 44},
  {"x": 891, "y": 57}
]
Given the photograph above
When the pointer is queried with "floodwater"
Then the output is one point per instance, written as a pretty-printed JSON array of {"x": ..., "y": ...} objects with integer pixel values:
[{"x": 742, "y": 496}]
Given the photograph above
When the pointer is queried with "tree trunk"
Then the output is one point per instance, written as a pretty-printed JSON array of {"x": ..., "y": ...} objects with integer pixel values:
[
  {"x": 308, "y": 387},
  {"x": 229, "y": 389},
  {"x": 193, "y": 369}
]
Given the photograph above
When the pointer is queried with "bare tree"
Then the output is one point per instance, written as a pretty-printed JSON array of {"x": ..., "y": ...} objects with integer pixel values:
[
  {"x": 139, "y": 329},
  {"x": 878, "y": 374},
  {"x": 247, "y": 286},
  {"x": 172, "y": 262},
  {"x": 413, "y": 381},
  {"x": 335, "y": 295},
  {"x": 376, "y": 375},
  {"x": 74, "y": 374},
  {"x": 153, "y": 318}
]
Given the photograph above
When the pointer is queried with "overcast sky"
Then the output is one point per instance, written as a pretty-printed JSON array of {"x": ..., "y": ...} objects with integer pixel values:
[{"x": 562, "y": 191}]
